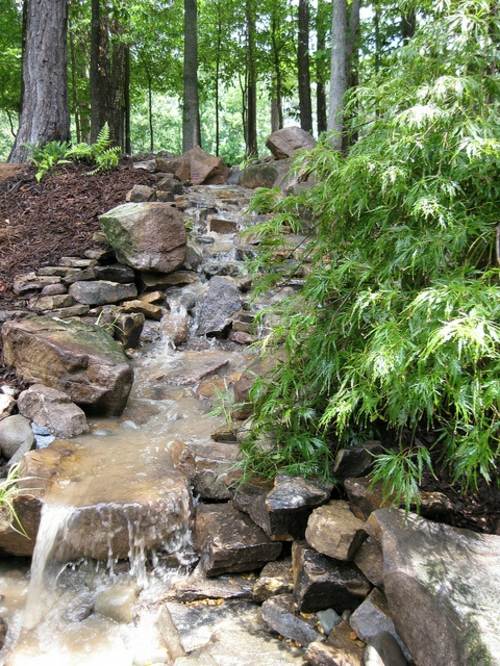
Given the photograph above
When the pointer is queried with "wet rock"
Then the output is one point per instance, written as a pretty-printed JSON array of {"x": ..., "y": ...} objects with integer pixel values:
[
  {"x": 218, "y": 305},
  {"x": 162, "y": 280},
  {"x": 193, "y": 366},
  {"x": 435, "y": 506},
  {"x": 197, "y": 587},
  {"x": 7, "y": 404},
  {"x": 16, "y": 437},
  {"x": 275, "y": 578},
  {"x": 80, "y": 609},
  {"x": 363, "y": 497},
  {"x": 284, "y": 142},
  {"x": 222, "y": 225},
  {"x": 101, "y": 292},
  {"x": 210, "y": 466},
  {"x": 322, "y": 654},
  {"x": 149, "y": 310},
  {"x": 259, "y": 175},
  {"x": 335, "y": 531},
  {"x": 117, "y": 602},
  {"x": 369, "y": 561},
  {"x": 282, "y": 508},
  {"x": 115, "y": 273},
  {"x": 146, "y": 236},
  {"x": 78, "y": 359},
  {"x": 384, "y": 650},
  {"x": 226, "y": 635},
  {"x": 356, "y": 461},
  {"x": 128, "y": 328},
  {"x": 3, "y": 632},
  {"x": 140, "y": 193},
  {"x": 320, "y": 582},
  {"x": 72, "y": 311},
  {"x": 53, "y": 410},
  {"x": 372, "y": 618},
  {"x": 53, "y": 290},
  {"x": 441, "y": 583},
  {"x": 241, "y": 338},
  {"x": 175, "y": 326},
  {"x": 280, "y": 615},
  {"x": 228, "y": 541}
]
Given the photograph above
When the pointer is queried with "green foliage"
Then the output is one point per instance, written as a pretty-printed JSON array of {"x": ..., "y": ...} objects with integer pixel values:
[
  {"x": 48, "y": 156},
  {"x": 8, "y": 492},
  {"x": 395, "y": 331},
  {"x": 102, "y": 154}
]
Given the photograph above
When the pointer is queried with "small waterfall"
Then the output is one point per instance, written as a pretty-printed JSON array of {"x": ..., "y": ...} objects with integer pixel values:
[{"x": 44, "y": 567}]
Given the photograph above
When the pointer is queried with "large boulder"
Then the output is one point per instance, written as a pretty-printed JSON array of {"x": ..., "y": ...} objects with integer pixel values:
[
  {"x": 335, "y": 531},
  {"x": 78, "y": 359},
  {"x": 16, "y": 437},
  {"x": 259, "y": 175},
  {"x": 442, "y": 586},
  {"x": 53, "y": 410},
  {"x": 197, "y": 167},
  {"x": 284, "y": 142},
  {"x": 146, "y": 236}
]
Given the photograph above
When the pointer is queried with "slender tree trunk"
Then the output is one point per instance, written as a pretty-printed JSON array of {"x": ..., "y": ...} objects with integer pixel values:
[
  {"x": 408, "y": 25},
  {"x": 303, "y": 67},
  {"x": 116, "y": 110},
  {"x": 376, "y": 28},
  {"x": 99, "y": 71},
  {"x": 128, "y": 139},
  {"x": 320, "y": 79},
  {"x": 150, "y": 114},
  {"x": 23, "y": 50},
  {"x": 251, "y": 87},
  {"x": 74, "y": 85},
  {"x": 243, "y": 89},
  {"x": 45, "y": 114},
  {"x": 352, "y": 59},
  {"x": 338, "y": 76},
  {"x": 191, "y": 132},
  {"x": 217, "y": 76},
  {"x": 277, "y": 95}
]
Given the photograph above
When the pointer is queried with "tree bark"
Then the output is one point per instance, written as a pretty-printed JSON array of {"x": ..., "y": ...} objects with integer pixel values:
[
  {"x": 44, "y": 114},
  {"x": 150, "y": 114},
  {"x": 116, "y": 108},
  {"x": 191, "y": 132},
  {"x": 303, "y": 67},
  {"x": 320, "y": 79},
  {"x": 99, "y": 70},
  {"x": 338, "y": 73},
  {"x": 277, "y": 94},
  {"x": 128, "y": 139},
  {"x": 408, "y": 25},
  {"x": 74, "y": 85},
  {"x": 251, "y": 83},
  {"x": 217, "y": 76}
]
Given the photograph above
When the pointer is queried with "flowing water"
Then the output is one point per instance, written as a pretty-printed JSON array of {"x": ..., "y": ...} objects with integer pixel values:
[{"x": 115, "y": 528}]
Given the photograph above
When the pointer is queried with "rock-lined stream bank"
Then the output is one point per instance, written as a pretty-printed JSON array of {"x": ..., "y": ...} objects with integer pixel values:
[{"x": 150, "y": 550}]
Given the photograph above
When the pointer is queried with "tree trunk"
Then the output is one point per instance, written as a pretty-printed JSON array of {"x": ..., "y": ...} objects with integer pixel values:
[
  {"x": 150, "y": 114},
  {"x": 99, "y": 71},
  {"x": 376, "y": 28},
  {"x": 217, "y": 76},
  {"x": 251, "y": 83},
  {"x": 128, "y": 139},
  {"x": 352, "y": 60},
  {"x": 338, "y": 76},
  {"x": 320, "y": 79},
  {"x": 303, "y": 67},
  {"x": 191, "y": 132},
  {"x": 23, "y": 49},
  {"x": 276, "y": 95},
  {"x": 116, "y": 110},
  {"x": 408, "y": 25},
  {"x": 74, "y": 85},
  {"x": 45, "y": 114}
]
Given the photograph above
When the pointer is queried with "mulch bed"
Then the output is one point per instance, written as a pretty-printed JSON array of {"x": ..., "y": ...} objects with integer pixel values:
[{"x": 41, "y": 222}]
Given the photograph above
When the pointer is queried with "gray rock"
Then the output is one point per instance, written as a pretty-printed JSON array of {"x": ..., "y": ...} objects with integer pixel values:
[
  {"x": 370, "y": 562},
  {"x": 52, "y": 409},
  {"x": 228, "y": 541},
  {"x": 280, "y": 615},
  {"x": 285, "y": 142},
  {"x": 146, "y": 165},
  {"x": 53, "y": 290},
  {"x": 198, "y": 587},
  {"x": 77, "y": 262},
  {"x": 372, "y": 618},
  {"x": 115, "y": 273},
  {"x": 356, "y": 461},
  {"x": 222, "y": 225},
  {"x": 146, "y": 236},
  {"x": 275, "y": 578},
  {"x": 442, "y": 586},
  {"x": 282, "y": 508},
  {"x": 335, "y": 531},
  {"x": 72, "y": 311},
  {"x": 218, "y": 305},
  {"x": 101, "y": 292},
  {"x": 194, "y": 257},
  {"x": 43, "y": 303},
  {"x": 364, "y": 497},
  {"x": 7, "y": 404},
  {"x": 384, "y": 650},
  {"x": 322, "y": 654},
  {"x": 31, "y": 283},
  {"x": 16, "y": 437},
  {"x": 117, "y": 602},
  {"x": 328, "y": 619},
  {"x": 259, "y": 175},
  {"x": 140, "y": 193},
  {"x": 320, "y": 582}
]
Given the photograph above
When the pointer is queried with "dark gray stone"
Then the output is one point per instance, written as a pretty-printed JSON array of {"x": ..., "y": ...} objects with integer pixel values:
[
  {"x": 101, "y": 292},
  {"x": 218, "y": 306},
  {"x": 356, "y": 461},
  {"x": 115, "y": 273},
  {"x": 280, "y": 615}
]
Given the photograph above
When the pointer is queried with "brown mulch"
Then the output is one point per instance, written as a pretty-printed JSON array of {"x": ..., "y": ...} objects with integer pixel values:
[{"x": 41, "y": 222}]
